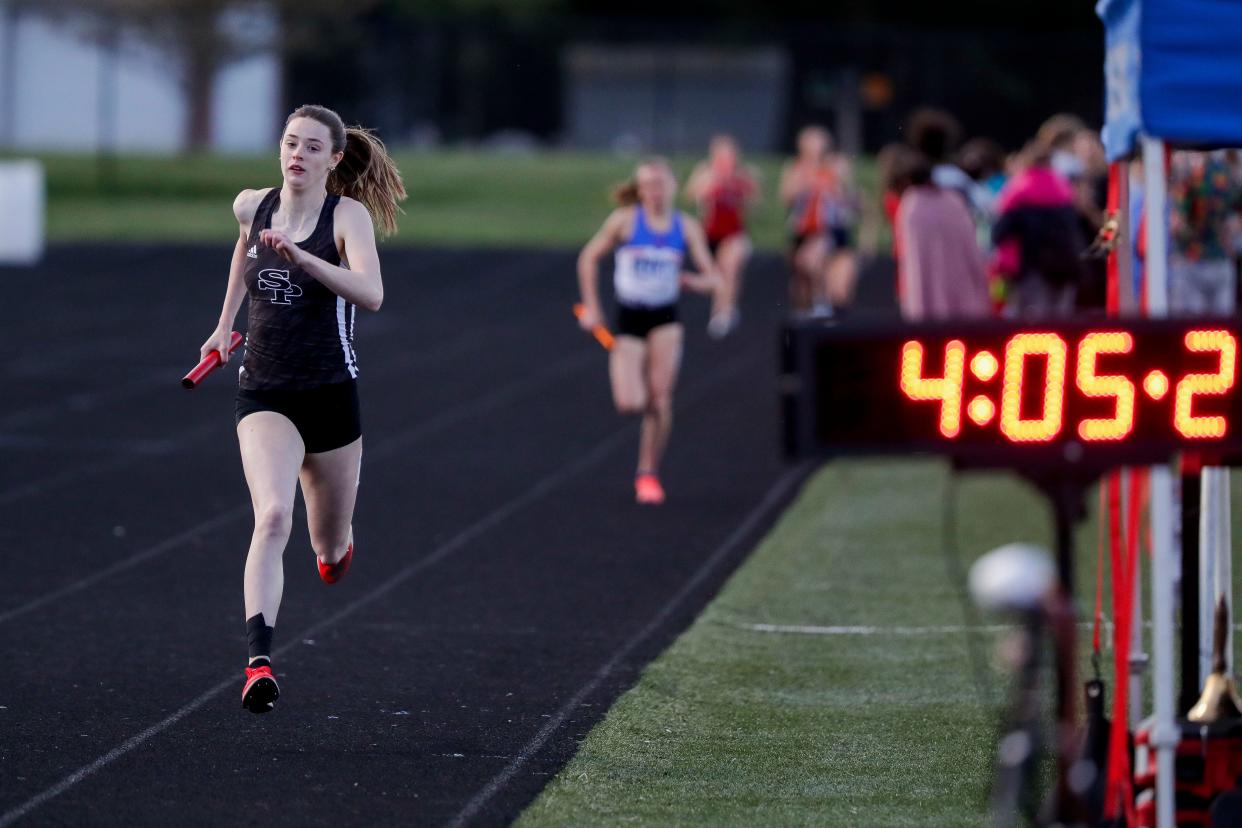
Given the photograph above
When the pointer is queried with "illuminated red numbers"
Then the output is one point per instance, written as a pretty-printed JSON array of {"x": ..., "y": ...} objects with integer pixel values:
[
  {"x": 1097, "y": 385},
  {"x": 1018, "y": 350},
  {"x": 1036, "y": 414},
  {"x": 1205, "y": 385},
  {"x": 947, "y": 388}
]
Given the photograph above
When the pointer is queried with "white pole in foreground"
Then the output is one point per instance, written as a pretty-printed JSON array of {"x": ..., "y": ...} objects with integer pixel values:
[
  {"x": 1130, "y": 305},
  {"x": 1224, "y": 555},
  {"x": 1209, "y": 525},
  {"x": 1165, "y": 733}
]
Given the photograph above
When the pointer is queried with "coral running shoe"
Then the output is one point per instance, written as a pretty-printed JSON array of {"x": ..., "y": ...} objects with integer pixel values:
[
  {"x": 331, "y": 573},
  {"x": 261, "y": 691},
  {"x": 647, "y": 489}
]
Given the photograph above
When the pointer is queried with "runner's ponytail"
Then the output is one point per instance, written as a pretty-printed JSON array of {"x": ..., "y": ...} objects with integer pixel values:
[
  {"x": 625, "y": 194},
  {"x": 368, "y": 174}
]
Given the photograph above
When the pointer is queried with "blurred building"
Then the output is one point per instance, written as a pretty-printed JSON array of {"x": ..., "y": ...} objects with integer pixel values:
[
  {"x": 664, "y": 85},
  {"x": 673, "y": 99},
  {"x": 73, "y": 81}
]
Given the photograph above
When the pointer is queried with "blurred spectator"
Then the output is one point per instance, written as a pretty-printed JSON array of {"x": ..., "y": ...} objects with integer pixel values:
[
  {"x": 1056, "y": 137},
  {"x": 1234, "y": 159},
  {"x": 935, "y": 134},
  {"x": 723, "y": 188},
  {"x": 1091, "y": 201},
  {"x": 1077, "y": 155},
  {"x": 895, "y": 163},
  {"x": 1037, "y": 240},
  {"x": 942, "y": 274},
  {"x": 984, "y": 161},
  {"x": 817, "y": 188},
  {"x": 1089, "y": 151},
  {"x": 1203, "y": 194}
]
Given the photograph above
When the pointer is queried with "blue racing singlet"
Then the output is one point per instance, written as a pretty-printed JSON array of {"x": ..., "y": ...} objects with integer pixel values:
[{"x": 648, "y": 266}]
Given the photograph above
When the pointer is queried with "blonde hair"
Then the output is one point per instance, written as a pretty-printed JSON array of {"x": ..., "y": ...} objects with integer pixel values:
[
  {"x": 625, "y": 194},
  {"x": 366, "y": 172}
]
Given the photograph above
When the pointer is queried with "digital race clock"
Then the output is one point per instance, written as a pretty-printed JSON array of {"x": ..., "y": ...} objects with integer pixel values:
[{"x": 1091, "y": 394}]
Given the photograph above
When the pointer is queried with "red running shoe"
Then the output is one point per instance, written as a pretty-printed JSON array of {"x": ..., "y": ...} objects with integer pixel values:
[
  {"x": 331, "y": 573},
  {"x": 260, "y": 693},
  {"x": 647, "y": 489}
]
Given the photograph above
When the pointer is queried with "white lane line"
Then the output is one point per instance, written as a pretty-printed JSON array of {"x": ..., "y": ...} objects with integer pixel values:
[
  {"x": 748, "y": 524},
  {"x": 496, "y": 516},
  {"x": 76, "y": 474},
  {"x": 500, "y": 280},
  {"x": 542, "y": 488},
  {"x": 142, "y": 556},
  {"x": 184, "y": 439},
  {"x": 111, "y": 756},
  {"x": 401, "y": 440},
  {"x": 944, "y": 629},
  {"x": 864, "y": 630}
]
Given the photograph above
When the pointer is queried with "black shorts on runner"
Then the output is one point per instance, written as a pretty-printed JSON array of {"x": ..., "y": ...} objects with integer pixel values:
[
  {"x": 796, "y": 240},
  {"x": 713, "y": 245},
  {"x": 639, "y": 322},
  {"x": 840, "y": 237},
  {"x": 327, "y": 417}
]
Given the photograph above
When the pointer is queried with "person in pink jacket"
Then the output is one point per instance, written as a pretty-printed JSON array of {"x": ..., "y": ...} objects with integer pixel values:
[{"x": 942, "y": 273}]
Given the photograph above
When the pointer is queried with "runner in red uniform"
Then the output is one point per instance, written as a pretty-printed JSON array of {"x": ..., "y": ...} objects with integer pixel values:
[{"x": 723, "y": 188}]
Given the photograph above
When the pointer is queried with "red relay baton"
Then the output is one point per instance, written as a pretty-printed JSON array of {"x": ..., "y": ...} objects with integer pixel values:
[{"x": 210, "y": 363}]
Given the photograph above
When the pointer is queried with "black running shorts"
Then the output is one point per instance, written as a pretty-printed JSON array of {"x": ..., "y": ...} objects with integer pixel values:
[
  {"x": 327, "y": 416},
  {"x": 634, "y": 321}
]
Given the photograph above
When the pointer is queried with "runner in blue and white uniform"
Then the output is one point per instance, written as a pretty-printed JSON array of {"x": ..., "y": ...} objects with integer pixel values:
[{"x": 651, "y": 240}]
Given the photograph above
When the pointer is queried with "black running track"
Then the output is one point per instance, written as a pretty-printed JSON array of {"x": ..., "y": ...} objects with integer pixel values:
[{"x": 505, "y": 589}]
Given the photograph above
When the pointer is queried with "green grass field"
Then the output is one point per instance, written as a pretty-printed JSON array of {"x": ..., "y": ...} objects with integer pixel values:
[
  {"x": 457, "y": 198},
  {"x": 733, "y": 726}
]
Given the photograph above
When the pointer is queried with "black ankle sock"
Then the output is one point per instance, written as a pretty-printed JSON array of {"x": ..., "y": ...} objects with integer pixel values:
[
  {"x": 259, "y": 636},
  {"x": 259, "y": 661}
]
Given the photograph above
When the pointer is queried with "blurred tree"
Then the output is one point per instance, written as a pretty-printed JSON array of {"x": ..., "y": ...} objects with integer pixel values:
[{"x": 201, "y": 37}]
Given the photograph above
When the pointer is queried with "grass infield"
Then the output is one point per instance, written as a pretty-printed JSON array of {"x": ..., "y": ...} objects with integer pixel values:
[
  {"x": 733, "y": 726},
  {"x": 457, "y": 198}
]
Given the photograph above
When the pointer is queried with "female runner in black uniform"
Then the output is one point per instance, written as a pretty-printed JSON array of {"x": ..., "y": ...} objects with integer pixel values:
[{"x": 305, "y": 257}]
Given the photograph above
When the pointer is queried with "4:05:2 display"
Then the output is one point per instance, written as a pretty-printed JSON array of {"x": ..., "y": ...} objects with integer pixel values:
[{"x": 1026, "y": 386}]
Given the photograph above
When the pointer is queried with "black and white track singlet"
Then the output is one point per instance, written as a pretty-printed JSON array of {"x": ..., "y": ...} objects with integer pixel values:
[{"x": 301, "y": 335}]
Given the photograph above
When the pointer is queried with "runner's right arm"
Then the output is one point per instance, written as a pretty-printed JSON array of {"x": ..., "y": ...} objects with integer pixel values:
[
  {"x": 606, "y": 238},
  {"x": 244, "y": 207}
]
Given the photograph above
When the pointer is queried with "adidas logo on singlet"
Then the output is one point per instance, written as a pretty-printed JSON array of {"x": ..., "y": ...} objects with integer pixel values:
[{"x": 253, "y": 252}]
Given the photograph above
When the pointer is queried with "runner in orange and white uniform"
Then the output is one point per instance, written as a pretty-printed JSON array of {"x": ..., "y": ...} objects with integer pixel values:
[
  {"x": 816, "y": 188},
  {"x": 723, "y": 190}
]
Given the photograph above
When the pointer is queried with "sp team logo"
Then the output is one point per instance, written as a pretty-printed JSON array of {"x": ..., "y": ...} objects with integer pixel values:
[{"x": 277, "y": 281}]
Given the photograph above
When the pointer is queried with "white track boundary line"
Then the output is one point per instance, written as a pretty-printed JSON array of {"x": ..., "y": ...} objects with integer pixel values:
[
  {"x": 386, "y": 448},
  {"x": 544, "y": 486},
  {"x": 141, "y": 556},
  {"x": 496, "y": 516},
  {"x": 863, "y": 630},
  {"x": 773, "y": 496},
  {"x": 847, "y": 630}
]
